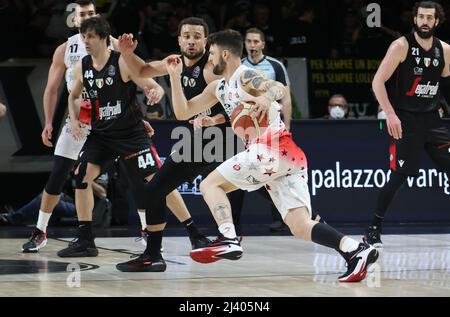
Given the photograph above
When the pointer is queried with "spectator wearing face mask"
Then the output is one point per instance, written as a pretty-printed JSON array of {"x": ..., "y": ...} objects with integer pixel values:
[{"x": 337, "y": 107}]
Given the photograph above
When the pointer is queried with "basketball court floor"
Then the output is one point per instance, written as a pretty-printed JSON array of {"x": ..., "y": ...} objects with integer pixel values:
[{"x": 272, "y": 266}]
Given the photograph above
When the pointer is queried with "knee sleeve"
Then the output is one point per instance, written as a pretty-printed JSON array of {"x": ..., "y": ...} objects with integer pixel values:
[
  {"x": 58, "y": 176},
  {"x": 155, "y": 217},
  {"x": 79, "y": 176}
]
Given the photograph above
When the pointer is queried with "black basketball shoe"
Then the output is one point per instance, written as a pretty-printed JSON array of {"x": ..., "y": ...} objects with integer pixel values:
[
  {"x": 79, "y": 249},
  {"x": 143, "y": 263},
  {"x": 357, "y": 263}
]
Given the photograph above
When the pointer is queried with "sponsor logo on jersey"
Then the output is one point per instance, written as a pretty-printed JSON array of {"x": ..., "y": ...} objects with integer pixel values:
[
  {"x": 437, "y": 52},
  {"x": 192, "y": 82},
  {"x": 111, "y": 70},
  {"x": 424, "y": 91},
  {"x": 110, "y": 112},
  {"x": 418, "y": 60},
  {"x": 427, "y": 61},
  {"x": 109, "y": 81},
  {"x": 93, "y": 94},
  {"x": 74, "y": 58},
  {"x": 401, "y": 163},
  {"x": 196, "y": 72},
  {"x": 91, "y": 82},
  {"x": 418, "y": 71},
  {"x": 435, "y": 62},
  {"x": 100, "y": 83}
]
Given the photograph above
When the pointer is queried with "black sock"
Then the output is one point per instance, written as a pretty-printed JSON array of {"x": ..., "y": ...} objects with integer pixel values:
[
  {"x": 191, "y": 227},
  {"x": 154, "y": 241},
  {"x": 377, "y": 220},
  {"x": 85, "y": 230},
  {"x": 327, "y": 236}
]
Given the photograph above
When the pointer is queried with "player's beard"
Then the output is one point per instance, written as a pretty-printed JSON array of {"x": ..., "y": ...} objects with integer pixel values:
[
  {"x": 219, "y": 68},
  {"x": 193, "y": 55},
  {"x": 424, "y": 34}
]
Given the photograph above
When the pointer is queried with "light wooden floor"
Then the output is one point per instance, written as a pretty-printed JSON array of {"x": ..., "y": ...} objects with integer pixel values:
[{"x": 409, "y": 265}]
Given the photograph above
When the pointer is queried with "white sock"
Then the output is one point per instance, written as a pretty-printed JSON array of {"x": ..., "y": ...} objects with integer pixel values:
[
  {"x": 349, "y": 245},
  {"x": 43, "y": 219},
  {"x": 141, "y": 214},
  {"x": 228, "y": 231}
]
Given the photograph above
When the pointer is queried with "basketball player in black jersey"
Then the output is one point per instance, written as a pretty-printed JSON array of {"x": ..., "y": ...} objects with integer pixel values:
[
  {"x": 197, "y": 73},
  {"x": 117, "y": 130},
  {"x": 408, "y": 85}
]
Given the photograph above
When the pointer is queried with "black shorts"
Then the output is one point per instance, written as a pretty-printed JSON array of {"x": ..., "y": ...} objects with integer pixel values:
[
  {"x": 421, "y": 131},
  {"x": 136, "y": 150}
]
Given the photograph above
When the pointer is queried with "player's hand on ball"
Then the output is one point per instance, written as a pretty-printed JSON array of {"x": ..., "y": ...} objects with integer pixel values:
[{"x": 260, "y": 108}]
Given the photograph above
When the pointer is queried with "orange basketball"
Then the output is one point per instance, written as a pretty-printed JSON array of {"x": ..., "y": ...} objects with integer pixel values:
[{"x": 243, "y": 125}]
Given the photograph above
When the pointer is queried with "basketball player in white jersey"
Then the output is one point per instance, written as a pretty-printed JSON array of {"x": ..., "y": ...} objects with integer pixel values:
[
  {"x": 65, "y": 57},
  {"x": 272, "y": 160}
]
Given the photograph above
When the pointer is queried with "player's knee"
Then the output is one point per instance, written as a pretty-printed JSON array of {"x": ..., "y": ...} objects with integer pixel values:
[
  {"x": 80, "y": 175},
  {"x": 60, "y": 171},
  {"x": 155, "y": 217}
]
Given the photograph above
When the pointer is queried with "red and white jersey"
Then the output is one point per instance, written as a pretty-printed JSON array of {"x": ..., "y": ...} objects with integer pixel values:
[{"x": 231, "y": 94}]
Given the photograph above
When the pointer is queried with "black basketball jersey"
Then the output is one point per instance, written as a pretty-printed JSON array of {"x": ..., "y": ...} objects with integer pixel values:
[
  {"x": 194, "y": 83},
  {"x": 114, "y": 110},
  {"x": 414, "y": 86}
]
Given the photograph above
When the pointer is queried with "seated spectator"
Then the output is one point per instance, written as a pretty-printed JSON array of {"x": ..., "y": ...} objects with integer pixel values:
[
  {"x": 65, "y": 207},
  {"x": 337, "y": 108}
]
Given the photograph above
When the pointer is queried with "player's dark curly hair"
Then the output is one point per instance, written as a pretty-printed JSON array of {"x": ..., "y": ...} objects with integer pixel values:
[{"x": 99, "y": 25}]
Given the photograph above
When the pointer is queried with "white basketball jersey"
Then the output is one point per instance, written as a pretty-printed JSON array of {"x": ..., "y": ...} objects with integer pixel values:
[
  {"x": 75, "y": 51},
  {"x": 231, "y": 94}
]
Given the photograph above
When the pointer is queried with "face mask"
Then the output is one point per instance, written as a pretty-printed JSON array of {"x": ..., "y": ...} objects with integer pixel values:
[
  {"x": 337, "y": 113},
  {"x": 381, "y": 115}
]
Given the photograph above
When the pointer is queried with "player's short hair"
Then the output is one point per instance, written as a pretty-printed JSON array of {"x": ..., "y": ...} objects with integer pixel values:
[
  {"x": 228, "y": 39},
  {"x": 99, "y": 25},
  {"x": 84, "y": 3},
  {"x": 439, "y": 12},
  {"x": 256, "y": 31},
  {"x": 194, "y": 21}
]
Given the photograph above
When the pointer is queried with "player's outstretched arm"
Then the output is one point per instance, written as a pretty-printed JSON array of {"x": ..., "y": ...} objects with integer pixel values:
[
  {"x": 126, "y": 46},
  {"x": 183, "y": 108}
]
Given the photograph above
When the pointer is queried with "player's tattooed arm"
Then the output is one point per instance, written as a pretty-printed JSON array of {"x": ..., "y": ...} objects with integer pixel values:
[{"x": 256, "y": 84}]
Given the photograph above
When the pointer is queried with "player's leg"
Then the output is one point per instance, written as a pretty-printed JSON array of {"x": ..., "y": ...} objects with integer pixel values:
[
  {"x": 290, "y": 195},
  {"x": 50, "y": 198},
  {"x": 84, "y": 246},
  {"x": 405, "y": 155},
  {"x": 438, "y": 143},
  {"x": 227, "y": 246}
]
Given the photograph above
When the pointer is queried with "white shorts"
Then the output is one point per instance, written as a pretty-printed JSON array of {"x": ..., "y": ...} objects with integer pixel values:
[
  {"x": 67, "y": 146},
  {"x": 283, "y": 171}
]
